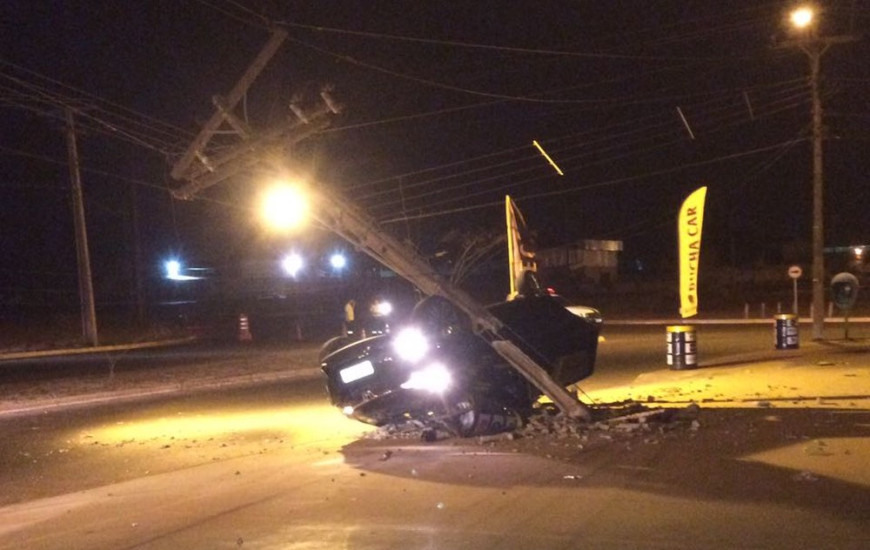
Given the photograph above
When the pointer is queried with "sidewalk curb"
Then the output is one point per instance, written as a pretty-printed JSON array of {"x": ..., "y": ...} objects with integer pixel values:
[
  {"x": 64, "y": 403},
  {"x": 11, "y": 356}
]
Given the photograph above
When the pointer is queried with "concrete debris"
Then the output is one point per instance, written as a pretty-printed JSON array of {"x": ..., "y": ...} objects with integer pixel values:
[
  {"x": 618, "y": 425},
  {"x": 806, "y": 475},
  {"x": 817, "y": 448},
  {"x": 610, "y": 423},
  {"x": 505, "y": 436}
]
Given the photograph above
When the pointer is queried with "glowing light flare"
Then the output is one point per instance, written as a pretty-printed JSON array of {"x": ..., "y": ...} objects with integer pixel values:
[
  {"x": 382, "y": 308},
  {"x": 410, "y": 344},
  {"x": 285, "y": 207},
  {"x": 434, "y": 378},
  {"x": 802, "y": 17},
  {"x": 338, "y": 261},
  {"x": 292, "y": 264},
  {"x": 173, "y": 271}
]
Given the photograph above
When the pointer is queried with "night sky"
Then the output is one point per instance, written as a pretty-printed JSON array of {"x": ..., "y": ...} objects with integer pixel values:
[{"x": 441, "y": 103}]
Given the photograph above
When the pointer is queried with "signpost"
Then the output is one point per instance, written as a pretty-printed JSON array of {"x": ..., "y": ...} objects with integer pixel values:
[{"x": 795, "y": 273}]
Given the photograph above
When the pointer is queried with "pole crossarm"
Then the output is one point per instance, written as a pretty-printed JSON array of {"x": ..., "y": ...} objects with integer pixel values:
[
  {"x": 347, "y": 220},
  {"x": 180, "y": 169},
  {"x": 234, "y": 160}
]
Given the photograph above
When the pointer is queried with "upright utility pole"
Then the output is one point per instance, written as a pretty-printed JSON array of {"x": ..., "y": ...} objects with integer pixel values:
[
  {"x": 86, "y": 287},
  {"x": 814, "y": 51},
  {"x": 815, "y": 46}
]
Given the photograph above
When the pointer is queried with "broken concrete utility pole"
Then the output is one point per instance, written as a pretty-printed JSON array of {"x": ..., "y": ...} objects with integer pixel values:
[
  {"x": 348, "y": 221},
  {"x": 226, "y": 105}
]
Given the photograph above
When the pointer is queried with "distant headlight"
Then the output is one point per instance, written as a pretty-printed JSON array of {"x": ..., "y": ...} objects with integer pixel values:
[
  {"x": 382, "y": 308},
  {"x": 410, "y": 344},
  {"x": 435, "y": 378}
]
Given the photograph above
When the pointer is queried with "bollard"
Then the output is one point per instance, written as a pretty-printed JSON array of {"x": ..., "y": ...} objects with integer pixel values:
[
  {"x": 786, "y": 331},
  {"x": 244, "y": 328},
  {"x": 682, "y": 347}
]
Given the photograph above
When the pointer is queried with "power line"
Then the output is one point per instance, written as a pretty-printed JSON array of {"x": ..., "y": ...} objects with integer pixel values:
[{"x": 585, "y": 188}]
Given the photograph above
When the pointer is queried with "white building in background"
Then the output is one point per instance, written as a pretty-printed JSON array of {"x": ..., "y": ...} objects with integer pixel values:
[{"x": 595, "y": 260}]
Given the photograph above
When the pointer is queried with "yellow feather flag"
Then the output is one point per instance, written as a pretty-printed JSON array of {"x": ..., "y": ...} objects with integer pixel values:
[
  {"x": 689, "y": 227},
  {"x": 521, "y": 250}
]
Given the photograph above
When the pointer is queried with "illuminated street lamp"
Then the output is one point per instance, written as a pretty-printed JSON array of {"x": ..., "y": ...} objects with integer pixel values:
[
  {"x": 173, "y": 269},
  {"x": 285, "y": 207},
  {"x": 802, "y": 17},
  {"x": 805, "y": 21}
]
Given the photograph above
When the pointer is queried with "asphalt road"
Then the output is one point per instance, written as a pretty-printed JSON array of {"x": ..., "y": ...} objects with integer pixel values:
[{"x": 274, "y": 466}]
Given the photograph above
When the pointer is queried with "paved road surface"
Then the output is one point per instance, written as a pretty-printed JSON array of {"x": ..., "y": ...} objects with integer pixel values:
[{"x": 273, "y": 466}]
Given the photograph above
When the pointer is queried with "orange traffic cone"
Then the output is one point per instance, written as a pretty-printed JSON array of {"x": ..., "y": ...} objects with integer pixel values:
[{"x": 244, "y": 329}]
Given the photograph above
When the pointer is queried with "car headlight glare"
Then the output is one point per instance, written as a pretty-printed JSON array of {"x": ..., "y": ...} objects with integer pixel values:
[
  {"x": 434, "y": 378},
  {"x": 410, "y": 344}
]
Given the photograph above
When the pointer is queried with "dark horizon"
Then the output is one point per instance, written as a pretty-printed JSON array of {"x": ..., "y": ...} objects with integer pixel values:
[{"x": 638, "y": 105}]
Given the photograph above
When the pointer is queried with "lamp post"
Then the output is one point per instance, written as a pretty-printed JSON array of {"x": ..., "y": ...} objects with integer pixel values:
[{"x": 804, "y": 19}]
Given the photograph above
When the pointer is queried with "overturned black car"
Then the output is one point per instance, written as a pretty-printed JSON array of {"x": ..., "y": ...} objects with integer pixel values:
[{"x": 436, "y": 371}]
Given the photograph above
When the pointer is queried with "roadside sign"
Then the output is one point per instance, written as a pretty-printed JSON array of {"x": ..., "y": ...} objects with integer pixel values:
[{"x": 795, "y": 272}]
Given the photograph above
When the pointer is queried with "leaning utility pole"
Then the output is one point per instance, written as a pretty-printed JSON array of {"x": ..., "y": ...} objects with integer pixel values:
[
  {"x": 347, "y": 220},
  {"x": 86, "y": 287}
]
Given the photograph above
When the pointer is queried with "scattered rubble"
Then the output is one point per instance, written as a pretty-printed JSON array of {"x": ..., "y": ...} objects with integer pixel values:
[
  {"x": 805, "y": 475},
  {"x": 611, "y": 423}
]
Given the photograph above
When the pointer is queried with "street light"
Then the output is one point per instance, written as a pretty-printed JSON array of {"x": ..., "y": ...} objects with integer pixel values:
[
  {"x": 338, "y": 261},
  {"x": 173, "y": 269},
  {"x": 284, "y": 207},
  {"x": 802, "y": 17},
  {"x": 804, "y": 20}
]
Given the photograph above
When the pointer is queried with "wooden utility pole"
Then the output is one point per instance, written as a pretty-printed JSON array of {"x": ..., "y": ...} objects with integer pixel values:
[{"x": 86, "y": 287}]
